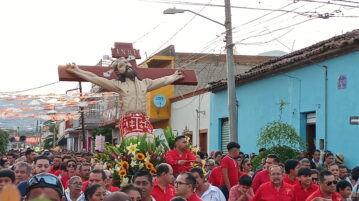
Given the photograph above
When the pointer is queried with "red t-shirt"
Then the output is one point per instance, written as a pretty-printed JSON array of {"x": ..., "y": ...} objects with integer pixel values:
[
  {"x": 172, "y": 158},
  {"x": 114, "y": 189},
  {"x": 215, "y": 178},
  {"x": 84, "y": 185},
  {"x": 260, "y": 178},
  {"x": 318, "y": 194},
  {"x": 267, "y": 192},
  {"x": 301, "y": 194},
  {"x": 194, "y": 197},
  {"x": 55, "y": 172},
  {"x": 64, "y": 180},
  {"x": 290, "y": 182},
  {"x": 161, "y": 195},
  {"x": 232, "y": 167}
]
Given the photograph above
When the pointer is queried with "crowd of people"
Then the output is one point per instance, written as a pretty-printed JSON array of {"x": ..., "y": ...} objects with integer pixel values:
[{"x": 69, "y": 176}]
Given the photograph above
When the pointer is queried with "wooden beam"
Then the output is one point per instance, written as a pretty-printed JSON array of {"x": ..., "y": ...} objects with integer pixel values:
[{"x": 151, "y": 73}]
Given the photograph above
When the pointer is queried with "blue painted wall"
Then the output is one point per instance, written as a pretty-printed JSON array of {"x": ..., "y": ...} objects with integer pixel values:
[{"x": 304, "y": 91}]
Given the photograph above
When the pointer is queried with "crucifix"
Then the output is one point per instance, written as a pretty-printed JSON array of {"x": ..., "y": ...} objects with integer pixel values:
[{"x": 132, "y": 83}]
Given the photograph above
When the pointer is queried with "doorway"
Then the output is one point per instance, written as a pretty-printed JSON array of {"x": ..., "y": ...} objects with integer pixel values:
[
  {"x": 203, "y": 140},
  {"x": 311, "y": 133}
]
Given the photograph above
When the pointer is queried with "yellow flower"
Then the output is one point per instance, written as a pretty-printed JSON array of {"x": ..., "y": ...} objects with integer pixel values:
[
  {"x": 132, "y": 148},
  {"x": 195, "y": 149},
  {"x": 149, "y": 165},
  {"x": 153, "y": 171},
  {"x": 122, "y": 173},
  {"x": 124, "y": 165},
  {"x": 140, "y": 156}
]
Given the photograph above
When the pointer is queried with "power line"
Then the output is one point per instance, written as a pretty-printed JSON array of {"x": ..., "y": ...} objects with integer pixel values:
[
  {"x": 258, "y": 35},
  {"x": 261, "y": 23},
  {"x": 347, "y": 1},
  {"x": 260, "y": 43},
  {"x": 179, "y": 30},
  {"x": 20, "y": 91},
  {"x": 148, "y": 32},
  {"x": 278, "y": 22},
  {"x": 331, "y": 3},
  {"x": 263, "y": 16},
  {"x": 218, "y": 5}
]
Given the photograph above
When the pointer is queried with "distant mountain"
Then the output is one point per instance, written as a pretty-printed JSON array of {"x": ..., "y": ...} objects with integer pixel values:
[{"x": 273, "y": 53}]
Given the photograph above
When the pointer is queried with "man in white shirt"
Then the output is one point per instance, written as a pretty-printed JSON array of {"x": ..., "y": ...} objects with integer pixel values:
[{"x": 205, "y": 190}]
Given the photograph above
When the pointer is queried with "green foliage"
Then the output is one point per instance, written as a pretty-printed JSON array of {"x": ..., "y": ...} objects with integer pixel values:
[
  {"x": 107, "y": 132},
  {"x": 170, "y": 137},
  {"x": 4, "y": 141},
  {"x": 278, "y": 138},
  {"x": 277, "y": 133},
  {"x": 48, "y": 142},
  {"x": 156, "y": 146},
  {"x": 152, "y": 151},
  {"x": 283, "y": 152}
]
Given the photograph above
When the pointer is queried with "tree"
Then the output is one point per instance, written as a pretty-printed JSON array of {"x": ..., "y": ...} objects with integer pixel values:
[
  {"x": 4, "y": 141},
  {"x": 48, "y": 142},
  {"x": 279, "y": 138},
  {"x": 107, "y": 132}
]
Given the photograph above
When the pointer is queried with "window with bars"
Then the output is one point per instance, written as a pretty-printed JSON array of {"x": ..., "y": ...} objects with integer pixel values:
[{"x": 224, "y": 134}]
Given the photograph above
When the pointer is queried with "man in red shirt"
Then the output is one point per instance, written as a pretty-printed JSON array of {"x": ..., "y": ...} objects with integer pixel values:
[
  {"x": 305, "y": 187},
  {"x": 327, "y": 185},
  {"x": 71, "y": 171},
  {"x": 180, "y": 158},
  {"x": 84, "y": 171},
  {"x": 55, "y": 168},
  {"x": 291, "y": 167},
  {"x": 162, "y": 188},
  {"x": 263, "y": 176},
  {"x": 185, "y": 186},
  {"x": 276, "y": 189},
  {"x": 230, "y": 168},
  {"x": 215, "y": 178}
]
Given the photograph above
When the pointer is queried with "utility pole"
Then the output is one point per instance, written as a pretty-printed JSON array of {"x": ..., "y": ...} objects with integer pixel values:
[
  {"x": 231, "y": 88},
  {"x": 232, "y": 99},
  {"x": 82, "y": 121}
]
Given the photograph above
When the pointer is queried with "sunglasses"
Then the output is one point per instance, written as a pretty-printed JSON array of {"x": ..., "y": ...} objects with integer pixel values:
[
  {"x": 331, "y": 182},
  {"x": 71, "y": 165},
  {"x": 47, "y": 179},
  {"x": 315, "y": 179}
]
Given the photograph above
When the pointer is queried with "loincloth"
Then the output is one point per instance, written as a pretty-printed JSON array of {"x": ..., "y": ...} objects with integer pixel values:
[{"x": 135, "y": 122}]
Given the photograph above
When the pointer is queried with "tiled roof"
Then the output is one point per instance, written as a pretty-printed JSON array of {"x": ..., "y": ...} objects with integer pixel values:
[
  {"x": 333, "y": 47},
  {"x": 188, "y": 95}
]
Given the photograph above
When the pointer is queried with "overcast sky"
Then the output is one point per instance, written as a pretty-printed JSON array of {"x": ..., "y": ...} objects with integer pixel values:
[{"x": 38, "y": 35}]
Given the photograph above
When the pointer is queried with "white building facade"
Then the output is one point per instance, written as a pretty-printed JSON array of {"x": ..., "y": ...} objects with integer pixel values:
[{"x": 190, "y": 115}]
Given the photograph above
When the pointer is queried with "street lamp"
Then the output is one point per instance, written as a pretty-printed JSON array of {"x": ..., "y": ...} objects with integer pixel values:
[{"x": 231, "y": 88}]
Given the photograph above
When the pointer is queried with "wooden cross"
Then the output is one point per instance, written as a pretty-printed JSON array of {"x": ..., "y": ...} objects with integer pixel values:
[{"x": 126, "y": 50}]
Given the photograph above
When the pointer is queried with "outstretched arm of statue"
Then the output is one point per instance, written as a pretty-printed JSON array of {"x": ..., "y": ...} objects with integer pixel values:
[
  {"x": 91, "y": 77},
  {"x": 163, "y": 81}
]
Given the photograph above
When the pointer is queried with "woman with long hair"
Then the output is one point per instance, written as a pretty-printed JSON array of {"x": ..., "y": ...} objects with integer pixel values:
[
  {"x": 246, "y": 167},
  {"x": 95, "y": 192}
]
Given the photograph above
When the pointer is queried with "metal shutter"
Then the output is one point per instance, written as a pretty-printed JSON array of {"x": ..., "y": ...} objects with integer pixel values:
[{"x": 224, "y": 135}]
